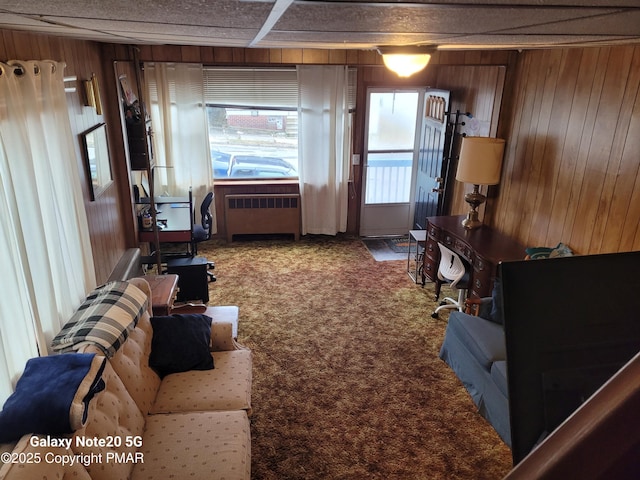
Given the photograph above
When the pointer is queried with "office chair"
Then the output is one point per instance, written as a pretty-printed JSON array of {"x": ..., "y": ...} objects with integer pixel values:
[
  {"x": 454, "y": 271},
  {"x": 202, "y": 232}
]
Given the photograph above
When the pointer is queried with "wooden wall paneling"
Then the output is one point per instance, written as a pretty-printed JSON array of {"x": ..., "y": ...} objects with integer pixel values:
[
  {"x": 543, "y": 165},
  {"x": 572, "y": 167},
  {"x": 553, "y": 199},
  {"x": 256, "y": 56},
  {"x": 531, "y": 166},
  {"x": 190, "y": 54},
  {"x": 626, "y": 211},
  {"x": 614, "y": 114},
  {"x": 591, "y": 161},
  {"x": 476, "y": 89},
  {"x": 506, "y": 210},
  {"x": 573, "y": 125}
]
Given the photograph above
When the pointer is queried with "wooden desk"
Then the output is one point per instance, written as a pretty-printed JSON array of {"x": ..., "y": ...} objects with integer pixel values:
[
  {"x": 175, "y": 214},
  {"x": 482, "y": 247}
]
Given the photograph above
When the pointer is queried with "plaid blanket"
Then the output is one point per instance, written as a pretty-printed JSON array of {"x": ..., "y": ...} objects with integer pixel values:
[{"x": 104, "y": 319}]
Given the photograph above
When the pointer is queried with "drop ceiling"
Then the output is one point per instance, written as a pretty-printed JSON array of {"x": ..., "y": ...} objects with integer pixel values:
[{"x": 333, "y": 24}]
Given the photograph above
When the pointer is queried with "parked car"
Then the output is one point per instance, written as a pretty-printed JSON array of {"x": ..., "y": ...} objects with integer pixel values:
[
  {"x": 249, "y": 166},
  {"x": 220, "y": 163}
]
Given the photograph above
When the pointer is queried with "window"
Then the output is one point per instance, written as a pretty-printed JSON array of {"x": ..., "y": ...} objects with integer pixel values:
[
  {"x": 253, "y": 122},
  {"x": 253, "y": 143}
]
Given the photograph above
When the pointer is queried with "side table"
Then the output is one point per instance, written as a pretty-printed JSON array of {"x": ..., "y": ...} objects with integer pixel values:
[
  {"x": 418, "y": 239},
  {"x": 164, "y": 290}
]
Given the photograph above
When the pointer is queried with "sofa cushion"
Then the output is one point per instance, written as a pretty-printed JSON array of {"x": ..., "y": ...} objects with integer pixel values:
[
  {"x": 499, "y": 376},
  {"x": 484, "y": 339},
  {"x": 227, "y": 387},
  {"x": 196, "y": 445},
  {"x": 131, "y": 364},
  {"x": 180, "y": 343}
]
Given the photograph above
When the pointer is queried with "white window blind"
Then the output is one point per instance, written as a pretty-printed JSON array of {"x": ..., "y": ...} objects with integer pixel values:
[
  {"x": 259, "y": 87},
  {"x": 251, "y": 87}
]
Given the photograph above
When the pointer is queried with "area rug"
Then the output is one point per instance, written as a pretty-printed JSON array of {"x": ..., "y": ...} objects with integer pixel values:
[
  {"x": 347, "y": 383},
  {"x": 387, "y": 248}
]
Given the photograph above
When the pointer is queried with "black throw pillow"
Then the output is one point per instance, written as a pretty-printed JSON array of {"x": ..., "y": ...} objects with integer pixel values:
[{"x": 180, "y": 343}]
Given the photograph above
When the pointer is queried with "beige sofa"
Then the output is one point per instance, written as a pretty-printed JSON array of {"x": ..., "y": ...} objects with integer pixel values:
[{"x": 187, "y": 425}]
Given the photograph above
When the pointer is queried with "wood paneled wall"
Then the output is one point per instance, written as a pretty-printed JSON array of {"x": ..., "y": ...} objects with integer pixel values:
[
  {"x": 82, "y": 59},
  {"x": 572, "y": 164},
  {"x": 478, "y": 90}
]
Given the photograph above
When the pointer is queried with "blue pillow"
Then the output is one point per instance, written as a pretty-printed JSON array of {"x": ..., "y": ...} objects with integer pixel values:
[{"x": 180, "y": 343}]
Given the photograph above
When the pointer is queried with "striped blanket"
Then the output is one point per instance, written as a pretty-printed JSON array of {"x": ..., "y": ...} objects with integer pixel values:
[{"x": 104, "y": 319}]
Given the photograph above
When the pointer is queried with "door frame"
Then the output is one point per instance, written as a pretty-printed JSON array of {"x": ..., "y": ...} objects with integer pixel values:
[{"x": 388, "y": 212}]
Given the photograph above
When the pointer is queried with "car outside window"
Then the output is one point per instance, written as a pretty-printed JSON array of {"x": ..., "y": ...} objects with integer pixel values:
[{"x": 253, "y": 144}]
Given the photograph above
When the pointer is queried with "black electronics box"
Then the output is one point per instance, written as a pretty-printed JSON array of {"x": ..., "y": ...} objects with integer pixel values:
[{"x": 192, "y": 278}]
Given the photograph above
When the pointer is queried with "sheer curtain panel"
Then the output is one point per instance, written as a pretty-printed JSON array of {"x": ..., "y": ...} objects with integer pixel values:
[
  {"x": 323, "y": 148},
  {"x": 45, "y": 249},
  {"x": 180, "y": 130}
]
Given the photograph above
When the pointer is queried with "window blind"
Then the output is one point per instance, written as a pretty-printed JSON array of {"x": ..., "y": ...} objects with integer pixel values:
[
  {"x": 251, "y": 87},
  {"x": 260, "y": 87}
]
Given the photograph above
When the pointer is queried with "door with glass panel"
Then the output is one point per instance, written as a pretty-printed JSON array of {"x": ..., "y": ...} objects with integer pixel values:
[{"x": 389, "y": 160}]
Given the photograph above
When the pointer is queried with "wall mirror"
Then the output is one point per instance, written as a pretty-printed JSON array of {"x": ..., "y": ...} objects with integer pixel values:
[{"x": 96, "y": 151}]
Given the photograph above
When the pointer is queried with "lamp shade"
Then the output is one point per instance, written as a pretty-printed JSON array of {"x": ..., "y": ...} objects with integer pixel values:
[
  {"x": 407, "y": 60},
  {"x": 480, "y": 161}
]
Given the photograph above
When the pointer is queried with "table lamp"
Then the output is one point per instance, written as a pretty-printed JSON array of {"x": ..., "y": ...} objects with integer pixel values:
[{"x": 480, "y": 163}]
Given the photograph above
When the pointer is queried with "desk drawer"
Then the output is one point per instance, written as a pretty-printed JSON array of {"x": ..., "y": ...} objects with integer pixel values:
[{"x": 482, "y": 285}]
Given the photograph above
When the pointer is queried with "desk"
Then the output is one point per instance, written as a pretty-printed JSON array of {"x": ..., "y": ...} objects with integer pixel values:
[
  {"x": 175, "y": 214},
  {"x": 484, "y": 248}
]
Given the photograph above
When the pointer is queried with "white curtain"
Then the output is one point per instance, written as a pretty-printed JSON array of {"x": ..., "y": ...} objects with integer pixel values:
[
  {"x": 45, "y": 249},
  {"x": 323, "y": 148},
  {"x": 180, "y": 129}
]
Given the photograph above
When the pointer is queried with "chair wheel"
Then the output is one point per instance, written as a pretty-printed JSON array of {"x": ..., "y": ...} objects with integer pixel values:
[{"x": 434, "y": 315}]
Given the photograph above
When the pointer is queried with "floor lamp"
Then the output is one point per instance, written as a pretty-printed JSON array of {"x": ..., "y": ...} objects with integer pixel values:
[{"x": 480, "y": 163}]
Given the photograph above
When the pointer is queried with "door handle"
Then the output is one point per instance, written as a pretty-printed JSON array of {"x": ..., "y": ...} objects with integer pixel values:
[{"x": 437, "y": 190}]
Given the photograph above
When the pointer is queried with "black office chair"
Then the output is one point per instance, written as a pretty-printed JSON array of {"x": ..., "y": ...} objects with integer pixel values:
[{"x": 202, "y": 232}]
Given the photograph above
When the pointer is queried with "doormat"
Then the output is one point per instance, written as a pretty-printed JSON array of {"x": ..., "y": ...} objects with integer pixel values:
[
  {"x": 387, "y": 248},
  {"x": 398, "y": 245}
]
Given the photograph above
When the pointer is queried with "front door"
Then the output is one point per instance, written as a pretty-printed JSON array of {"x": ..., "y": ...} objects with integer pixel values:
[
  {"x": 389, "y": 159},
  {"x": 430, "y": 176}
]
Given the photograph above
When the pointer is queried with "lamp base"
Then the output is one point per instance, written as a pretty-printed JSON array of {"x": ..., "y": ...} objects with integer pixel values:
[
  {"x": 471, "y": 221},
  {"x": 474, "y": 199}
]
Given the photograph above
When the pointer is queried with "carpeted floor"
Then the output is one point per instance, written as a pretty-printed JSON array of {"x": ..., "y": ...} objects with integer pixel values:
[{"x": 347, "y": 379}]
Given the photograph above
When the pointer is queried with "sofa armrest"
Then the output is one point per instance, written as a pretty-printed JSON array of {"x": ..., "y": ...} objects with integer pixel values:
[{"x": 222, "y": 337}]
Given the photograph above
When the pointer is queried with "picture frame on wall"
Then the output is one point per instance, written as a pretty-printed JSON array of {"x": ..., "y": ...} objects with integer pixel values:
[{"x": 98, "y": 163}]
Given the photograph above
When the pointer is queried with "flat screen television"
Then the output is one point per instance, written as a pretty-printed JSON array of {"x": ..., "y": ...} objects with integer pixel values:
[{"x": 570, "y": 323}]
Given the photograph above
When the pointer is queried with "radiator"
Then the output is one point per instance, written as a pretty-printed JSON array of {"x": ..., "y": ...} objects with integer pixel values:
[{"x": 262, "y": 214}]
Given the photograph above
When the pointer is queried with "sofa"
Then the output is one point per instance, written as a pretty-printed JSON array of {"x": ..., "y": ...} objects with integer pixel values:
[
  {"x": 474, "y": 348},
  {"x": 142, "y": 425}
]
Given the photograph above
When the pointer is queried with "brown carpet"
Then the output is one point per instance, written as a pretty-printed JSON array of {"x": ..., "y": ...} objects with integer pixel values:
[{"x": 347, "y": 379}]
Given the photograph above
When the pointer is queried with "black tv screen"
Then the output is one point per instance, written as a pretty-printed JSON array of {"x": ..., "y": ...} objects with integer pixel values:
[{"x": 570, "y": 324}]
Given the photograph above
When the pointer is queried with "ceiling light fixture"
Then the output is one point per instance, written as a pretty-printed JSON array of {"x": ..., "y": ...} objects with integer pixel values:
[{"x": 406, "y": 60}]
